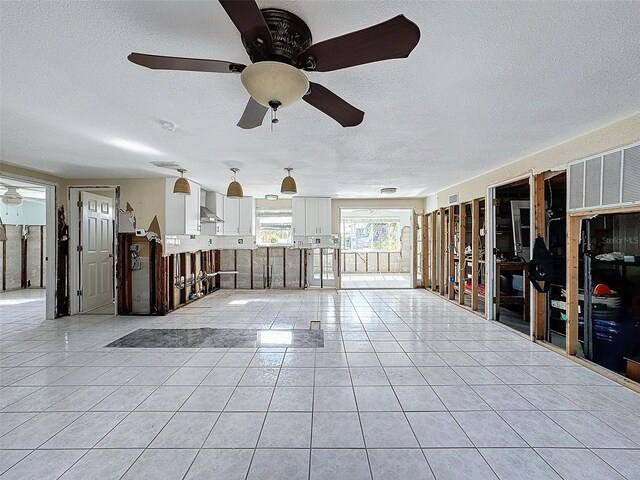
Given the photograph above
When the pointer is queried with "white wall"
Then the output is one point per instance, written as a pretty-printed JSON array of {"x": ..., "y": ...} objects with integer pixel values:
[{"x": 31, "y": 212}]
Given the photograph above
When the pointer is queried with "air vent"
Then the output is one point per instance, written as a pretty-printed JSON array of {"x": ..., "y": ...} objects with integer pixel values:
[
  {"x": 592, "y": 174},
  {"x": 631, "y": 175},
  {"x": 453, "y": 199},
  {"x": 171, "y": 165},
  {"x": 605, "y": 180},
  {"x": 388, "y": 190}
]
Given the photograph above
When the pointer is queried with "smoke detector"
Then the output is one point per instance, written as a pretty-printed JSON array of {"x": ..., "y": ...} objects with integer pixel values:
[{"x": 388, "y": 190}]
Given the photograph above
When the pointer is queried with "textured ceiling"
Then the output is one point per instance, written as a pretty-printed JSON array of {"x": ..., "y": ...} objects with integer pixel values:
[{"x": 487, "y": 84}]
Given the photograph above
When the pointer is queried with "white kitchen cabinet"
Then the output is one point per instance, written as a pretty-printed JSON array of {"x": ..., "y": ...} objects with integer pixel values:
[
  {"x": 323, "y": 221},
  {"x": 299, "y": 215},
  {"x": 311, "y": 216},
  {"x": 231, "y": 216},
  {"x": 239, "y": 216},
  {"x": 182, "y": 212}
]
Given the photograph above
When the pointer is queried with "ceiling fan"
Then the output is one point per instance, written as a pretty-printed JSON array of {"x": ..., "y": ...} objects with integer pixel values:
[{"x": 279, "y": 46}]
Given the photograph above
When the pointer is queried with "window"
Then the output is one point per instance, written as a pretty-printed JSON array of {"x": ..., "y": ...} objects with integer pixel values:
[
  {"x": 273, "y": 226},
  {"x": 362, "y": 234}
]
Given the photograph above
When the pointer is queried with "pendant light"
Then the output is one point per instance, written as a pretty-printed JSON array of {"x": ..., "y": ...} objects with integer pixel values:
[
  {"x": 288, "y": 184},
  {"x": 235, "y": 189},
  {"x": 182, "y": 187}
]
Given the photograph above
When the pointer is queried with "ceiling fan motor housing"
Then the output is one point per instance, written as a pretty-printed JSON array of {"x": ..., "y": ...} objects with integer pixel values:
[{"x": 290, "y": 36}]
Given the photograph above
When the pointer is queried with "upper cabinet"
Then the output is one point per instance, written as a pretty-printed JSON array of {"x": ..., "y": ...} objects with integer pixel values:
[
  {"x": 239, "y": 216},
  {"x": 214, "y": 202},
  {"x": 311, "y": 216},
  {"x": 182, "y": 212}
]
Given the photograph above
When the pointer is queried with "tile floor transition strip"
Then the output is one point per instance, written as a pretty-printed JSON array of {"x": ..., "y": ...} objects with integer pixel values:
[{"x": 219, "y": 338}]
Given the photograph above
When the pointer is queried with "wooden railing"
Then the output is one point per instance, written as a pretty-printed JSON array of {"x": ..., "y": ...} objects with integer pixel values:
[{"x": 372, "y": 262}]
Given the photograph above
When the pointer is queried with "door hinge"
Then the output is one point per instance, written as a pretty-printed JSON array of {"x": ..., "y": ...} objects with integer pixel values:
[
  {"x": 494, "y": 300},
  {"x": 79, "y": 293},
  {"x": 80, "y": 203},
  {"x": 495, "y": 202},
  {"x": 79, "y": 248}
]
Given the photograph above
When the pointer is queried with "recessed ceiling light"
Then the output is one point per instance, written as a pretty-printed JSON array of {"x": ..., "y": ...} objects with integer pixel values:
[
  {"x": 388, "y": 190},
  {"x": 168, "y": 126},
  {"x": 271, "y": 196},
  {"x": 134, "y": 146}
]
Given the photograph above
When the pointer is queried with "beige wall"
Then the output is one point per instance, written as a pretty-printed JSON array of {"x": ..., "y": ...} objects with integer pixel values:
[
  {"x": 17, "y": 172},
  {"x": 145, "y": 195},
  {"x": 610, "y": 137}
]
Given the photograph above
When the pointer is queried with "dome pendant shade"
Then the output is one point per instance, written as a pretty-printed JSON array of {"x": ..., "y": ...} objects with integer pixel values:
[
  {"x": 274, "y": 81},
  {"x": 288, "y": 184},
  {"x": 182, "y": 187},
  {"x": 234, "y": 190}
]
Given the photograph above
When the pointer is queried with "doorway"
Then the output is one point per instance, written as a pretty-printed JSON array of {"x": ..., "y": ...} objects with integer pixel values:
[
  {"x": 511, "y": 237},
  {"x": 377, "y": 246},
  {"x": 93, "y": 249},
  {"x": 28, "y": 245},
  {"x": 321, "y": 267}
]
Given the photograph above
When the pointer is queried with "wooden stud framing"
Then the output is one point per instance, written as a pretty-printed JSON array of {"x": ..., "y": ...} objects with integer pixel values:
[
  {"x": 434, "y": 251},
  {"x": 451, "y": 270},
  {"x": 475, "y": 253},
  {"x": 540, "y": 230},
  {"x": 425, "y": 251},
  {"x": 573, "y": 246},
  {"x": 462, "y": 236},
  {"x": 443, "y": 253}
]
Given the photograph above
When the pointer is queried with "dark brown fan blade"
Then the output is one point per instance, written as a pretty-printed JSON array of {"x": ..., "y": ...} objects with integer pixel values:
[
  {"x": 329, "y": 103},
  {"x": 253, "y": 115},
  {"x": 158, "y": 62},
  {"x": 247, "y": 18},
  {"x": 395, "y": 38}
]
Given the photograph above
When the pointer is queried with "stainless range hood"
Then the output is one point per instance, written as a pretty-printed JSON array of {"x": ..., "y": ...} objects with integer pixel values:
[{"x": 207, "y": 216}]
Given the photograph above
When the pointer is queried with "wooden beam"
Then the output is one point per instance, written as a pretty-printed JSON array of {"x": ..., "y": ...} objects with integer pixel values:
[
  {"x": 425, "y": 251},
  {"x": 443, "y": 253},
  {"x": 475, "y": 252},
  {"x": 451, "y": 270},
  {"x": 434, "y": 251},
  {"x": 462, "y": 236},
  {"x": 540, "y": 230},
  {"x": 573, "y": 247},
  {"x": 23, "y": 262}
]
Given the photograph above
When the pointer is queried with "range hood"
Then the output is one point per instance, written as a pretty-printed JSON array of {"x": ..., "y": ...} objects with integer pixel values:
[{"x": 207, "y": 216}]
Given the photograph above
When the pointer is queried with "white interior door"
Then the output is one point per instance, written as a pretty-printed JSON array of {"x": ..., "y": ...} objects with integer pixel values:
[{"x": 97, "y": 251}]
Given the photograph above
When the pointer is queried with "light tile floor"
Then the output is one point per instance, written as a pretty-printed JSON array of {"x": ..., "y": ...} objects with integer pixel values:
[
  {"x": 408, "y": 386},
  {"x": 375, "y": 280}
]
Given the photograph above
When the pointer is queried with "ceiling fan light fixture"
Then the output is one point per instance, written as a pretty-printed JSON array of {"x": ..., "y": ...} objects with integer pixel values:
[
  {"x": 288, "y": 184},
  {"x": 182, "y": 187},
  {"x": 235, "y": 189},
  {"x": 279, "y": 82},
  {"x": 12, "y": 197}
]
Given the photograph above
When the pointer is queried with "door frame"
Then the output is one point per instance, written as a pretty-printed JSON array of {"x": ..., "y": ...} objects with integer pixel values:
[
  {"x": 412, "y": 211},
  {"x": 75, "y": 234},
  {"x": 490, "y": 242},
  {"x": 51, "y": 243}
]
